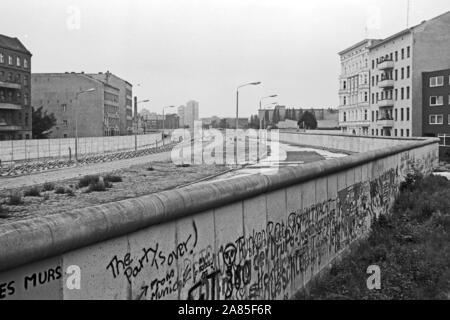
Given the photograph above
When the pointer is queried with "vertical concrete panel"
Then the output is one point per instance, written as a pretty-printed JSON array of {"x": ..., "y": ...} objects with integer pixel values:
[
  {"x": 197, "y": 276},
  {"x": 229, "y": 228},
  {"x": 358, "y": 174},
  {"x": 322, "y": 210},
  {"x": 99, "y": 278},
  {"x": 37, "y": 281},
  {"x": 276, "y": 235},
  {"x": 342, "y": 180},
  {"x": 254, "y": 247},
  {"x": 308, "y": 203},
  {"x": 350, "y": 177},
  {"x": 155, "y": 252}
]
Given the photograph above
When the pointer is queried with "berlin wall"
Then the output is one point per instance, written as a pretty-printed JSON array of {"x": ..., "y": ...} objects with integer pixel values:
[{"x": 253, "y": 237}]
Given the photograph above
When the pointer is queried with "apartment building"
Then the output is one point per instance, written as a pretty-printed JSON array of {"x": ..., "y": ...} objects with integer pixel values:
[
  {"x": 395, "y": 71},
  {"x": 354, "y": 88},
  {"x": 15, "y": 75},
  {"x": 436, "y": 105},
  {"x": 188, "y": 114},
  {"x": 104, "y": 112},
  {"x": 125, "y": 102}
]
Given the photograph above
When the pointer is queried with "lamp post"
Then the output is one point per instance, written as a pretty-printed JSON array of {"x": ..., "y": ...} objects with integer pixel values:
[
  {"x": 237, "y": 99},
  {"x": 136, "y": 128},
  {"x": 260, "y": 107},
  {"x": 76, "y": 118},
  {"x": 164, "y": 121}
]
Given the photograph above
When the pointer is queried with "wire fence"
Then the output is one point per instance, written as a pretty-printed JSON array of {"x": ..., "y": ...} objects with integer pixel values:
[{"x": 37, "y": 150}]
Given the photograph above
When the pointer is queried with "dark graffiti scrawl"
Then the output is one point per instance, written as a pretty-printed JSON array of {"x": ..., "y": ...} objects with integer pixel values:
[{"x": 264, "y": 263}]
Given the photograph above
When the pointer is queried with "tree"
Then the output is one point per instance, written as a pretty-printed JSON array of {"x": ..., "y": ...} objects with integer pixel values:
[
  {"x": 42, "y": 123},
  {"x": 276, "y": 116},
  {"x": 308, "y": 120}
]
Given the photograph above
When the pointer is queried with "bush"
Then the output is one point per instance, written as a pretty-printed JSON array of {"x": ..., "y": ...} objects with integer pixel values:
[
  {"x": 112, "y": 178},
  {"x": 70, "y": 192},
  {"x": 3, "y": 211},
  {"x": 98, "y": 186},
  {"x": 48, "y": 186},
  {"x": 150, "y": 169},
  {"x": 32, "y": 192},
  {"x": 60, "y": 190},
  {"x": 88, "y": 180},
  {"x": 15, "y": 199}
]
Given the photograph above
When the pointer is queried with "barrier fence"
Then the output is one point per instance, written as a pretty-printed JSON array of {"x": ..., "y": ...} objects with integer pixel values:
[{"x": 25, "y": 150}]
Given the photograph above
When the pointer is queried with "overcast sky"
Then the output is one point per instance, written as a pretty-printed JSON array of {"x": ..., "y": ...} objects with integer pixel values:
[{"x": 178, "y": 50}]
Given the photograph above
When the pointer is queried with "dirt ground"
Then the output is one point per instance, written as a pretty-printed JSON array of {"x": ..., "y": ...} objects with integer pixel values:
[{"x": 137, "y": 181}]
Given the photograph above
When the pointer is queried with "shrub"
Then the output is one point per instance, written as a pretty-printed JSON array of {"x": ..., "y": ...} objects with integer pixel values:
[
  {"x": 98, "y": 186},
  {"x": 150, "y": 169},
  {"x": 88, "y": 180},
  {"x": 112, "y": 178},
  {"x": 48, "y": 186},
  {"x": 46, "y": 197},
  {"x": 32, "y": 192},
  {"x": 3, "y": 211},
  {"x": 15, "y": 199},
  {"x": 60, "y": 190},
  {"x": 70, "y": 192}
]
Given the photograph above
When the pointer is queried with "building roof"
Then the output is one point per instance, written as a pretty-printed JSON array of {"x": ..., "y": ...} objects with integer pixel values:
[
  {"x": 356, "y": 46},
  {"x": 405, "y": 31},
  {"x": 13, "y": 44}
]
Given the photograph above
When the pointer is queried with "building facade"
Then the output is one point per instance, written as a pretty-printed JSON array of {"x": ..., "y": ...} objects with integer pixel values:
[
  {"x": 124, "y": 103},
  {"x": 395, "y": 67},
  {"x": 188, "y": 114},
  {"x": 354, "y": 88},
  {"x": 436, "y": 105},
  {"x": 104, "y": 112},
  {"x": 15, "y": 92}
]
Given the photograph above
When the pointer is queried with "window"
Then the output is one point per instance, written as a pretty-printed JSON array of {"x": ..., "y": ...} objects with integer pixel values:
[
  {"x": 18, "y": 61},
  {"x": 2, "y": 58},
  {"x": 65, "y": 123},
  {"x": 407, "y": 114},
  {"x": 396, "y": 74},
  {"x": 376, "y": 131},
  {"x": 344, "y": 86},
  {"x": 345, "y": 101},
  {"x": 408, "y": 52},
  {"x": 365, "y": 115},
  {"x": 402, "y": 95},
  {"x": 396, "y": 56},
  {"x": 402, "y": 118},
  {"x": 436, "y": 119},
  {"x": 373, "y": 64},
  {"x": 407, "y": 92},
  {"x": 403, "y": 54},
  {"x": 373, "y": 131},
  {"x": 407, "y": 132},
  {"x": 395, "y": 132},
  {"x": 436, "y": 100},
  {"x": 25, "y": 63},
  {"x": 10, "y": 60},
  {"x": 401, "y": 132},
  {"x": 437, "y": 81},
  {"x": 345, "y": 117},
  {"x": 64, "y": 107},
  {"x": 403, "y": 73},
  {"x": 396, "y": 114},
  {"x": 408, "y": 72},
  {"x": 396, "y": 94},
  {"x": 366, "y": 96},
  {"x": 373, "y": 118}
]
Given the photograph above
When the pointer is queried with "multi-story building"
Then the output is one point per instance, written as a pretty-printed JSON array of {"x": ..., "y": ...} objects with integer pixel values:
[
  {"x": 436, "y": 105},
  {"x": 104, "y": 112},
  {"x": 125, "y": 102},
  {"x": 396, "y": 65},
  {"x": 15, "y": 74},
  {"x": 188, "y": 114},
  {"x": 154, "y": 121},
  {"x": 354, "y": 89}
]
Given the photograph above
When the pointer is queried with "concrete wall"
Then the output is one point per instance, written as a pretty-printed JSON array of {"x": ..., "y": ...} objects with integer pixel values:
[
  {"x": 17, "y": 150},
  {"x": 255, "y": 237}
]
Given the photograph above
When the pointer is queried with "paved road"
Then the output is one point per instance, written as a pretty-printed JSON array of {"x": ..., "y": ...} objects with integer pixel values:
[{"x": 75, "y": 172}]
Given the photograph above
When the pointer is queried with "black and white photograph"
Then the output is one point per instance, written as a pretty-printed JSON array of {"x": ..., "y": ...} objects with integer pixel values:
[{"x": 241, "y": 151}]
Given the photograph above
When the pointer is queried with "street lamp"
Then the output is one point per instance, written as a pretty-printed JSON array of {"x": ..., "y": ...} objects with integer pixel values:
[
  {"x": 260, "y": 107},
  {"x": 76, "y": 118},
  {"x": 164, "y": 121},
  {"x": 136, "y": 120},
  {"x": 237, "y": 99}
]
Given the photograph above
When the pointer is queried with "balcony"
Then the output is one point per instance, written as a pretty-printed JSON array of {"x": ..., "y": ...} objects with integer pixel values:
[
  {"x": 10, "y": 106},
  {"x": 10, "y": 85},
  {"x": 387, "y": 64},
  {"x": 386, "y": 103},
  {"x": 386, "y": 123},
  {"x": 386, "y": 83},
  {"x": 356, "y": 123},
  {"x": 343, "y": 91}
]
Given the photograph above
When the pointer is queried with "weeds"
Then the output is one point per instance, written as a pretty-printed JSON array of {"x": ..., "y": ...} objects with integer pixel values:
[
  {"x": 32, "y": 192},
  {"x": 15, "y": 199}
]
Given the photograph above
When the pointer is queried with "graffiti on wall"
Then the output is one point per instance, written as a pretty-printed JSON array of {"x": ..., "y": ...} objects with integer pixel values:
[{"x": 264, "y": 263}]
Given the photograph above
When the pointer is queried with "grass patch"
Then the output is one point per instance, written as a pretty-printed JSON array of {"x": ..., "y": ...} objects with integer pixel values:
[
  {"x": 98, "y": 186},
  {"x": 48, "y": 186},
  {"x": 15, "y": 199},
  {"x": 411, "y": 247},
  {"x": 88, "y": 180},
  {"x": 150, "y": 169},
  {"x": 32, "y": 192},
  {"x": 4, "y": 212},
  {"x": 112, "y": 178}
]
